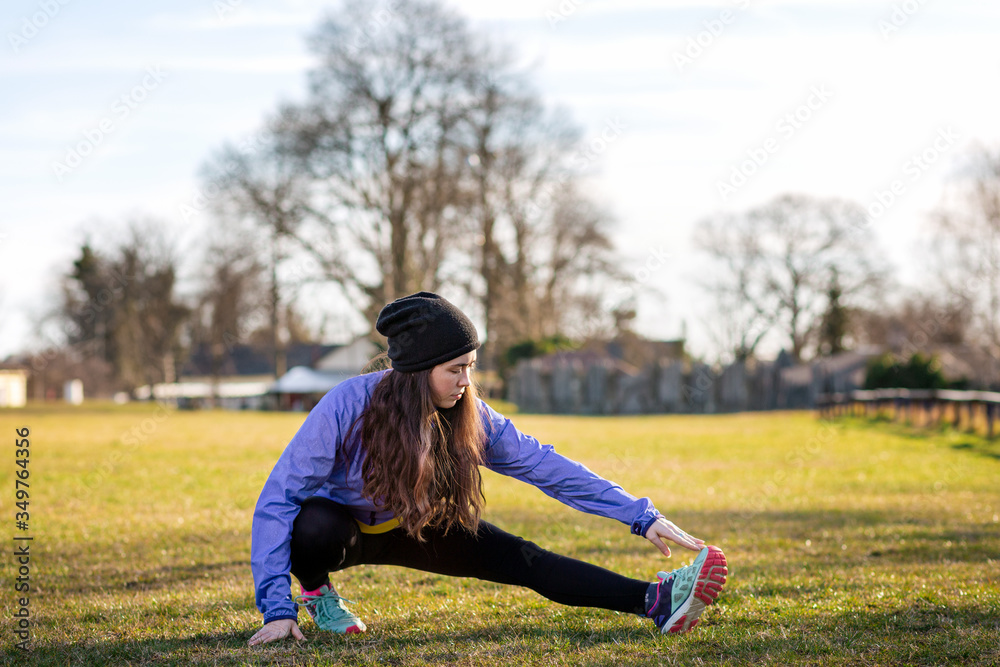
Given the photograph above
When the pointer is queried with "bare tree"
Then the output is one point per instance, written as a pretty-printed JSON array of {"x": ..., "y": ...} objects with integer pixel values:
[
  {"x": 379, "y": 139},
  {"x": 775, "y": 265},
  {"x": 423, "y": 160},
  {"x": 920, "y": 320},
  {"x": 233, "y": 295},
  {"x": 265, "y": 190},
  {"x": 518, "y": 157},
  {"x": 541, "y": 247},
  {"x": 743, "y": 309},
  {"x": 575, "y": 254},
  {"x": 966, "y": 246},
  {"x": 122, "y": 305},
  {"x": 52, "y": 368}
]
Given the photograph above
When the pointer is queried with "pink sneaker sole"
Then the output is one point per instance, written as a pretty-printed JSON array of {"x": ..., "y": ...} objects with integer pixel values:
[{"x": 710, "y": 581}]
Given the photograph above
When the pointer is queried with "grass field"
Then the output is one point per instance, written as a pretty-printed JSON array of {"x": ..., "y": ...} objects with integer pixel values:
[{"x": 848, "y": 543}]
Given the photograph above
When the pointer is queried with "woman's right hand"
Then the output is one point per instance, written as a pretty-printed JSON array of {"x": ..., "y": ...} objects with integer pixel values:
[{"x": 277, "y": 630}]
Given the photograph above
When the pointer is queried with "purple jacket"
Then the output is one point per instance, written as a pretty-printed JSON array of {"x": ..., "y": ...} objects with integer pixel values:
[{"x": 318, "y": 462}]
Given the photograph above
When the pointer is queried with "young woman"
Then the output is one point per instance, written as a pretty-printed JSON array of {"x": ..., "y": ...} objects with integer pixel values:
[{"x": 385, "y": 469}]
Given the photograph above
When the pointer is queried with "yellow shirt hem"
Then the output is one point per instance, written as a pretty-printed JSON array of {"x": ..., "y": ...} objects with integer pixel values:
[{"x": 378, "y": 528}]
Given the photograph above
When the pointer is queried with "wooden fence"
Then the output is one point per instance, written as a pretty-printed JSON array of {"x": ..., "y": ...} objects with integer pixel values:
[{"x": 922, "y": 407}]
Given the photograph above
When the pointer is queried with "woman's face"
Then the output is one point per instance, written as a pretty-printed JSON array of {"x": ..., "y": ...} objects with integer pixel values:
[{"x": 449, "y": 380}]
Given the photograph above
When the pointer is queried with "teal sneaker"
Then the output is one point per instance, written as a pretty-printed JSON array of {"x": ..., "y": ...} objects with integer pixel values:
[
  {"x": 682, "y": 595},
  {"x": 329, "y": 613}
]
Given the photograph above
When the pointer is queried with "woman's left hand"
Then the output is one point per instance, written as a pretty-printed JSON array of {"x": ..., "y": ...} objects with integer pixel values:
[{"x": 663, "y": 529}]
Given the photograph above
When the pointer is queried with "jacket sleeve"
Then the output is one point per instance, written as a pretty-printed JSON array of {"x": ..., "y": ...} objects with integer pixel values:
[
  {"x": 303, "y": 467},
  {"x": 521, "y": 456}
]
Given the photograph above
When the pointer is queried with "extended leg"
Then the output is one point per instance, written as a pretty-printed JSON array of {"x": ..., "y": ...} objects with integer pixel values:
[{"x": 495, "y": 555}]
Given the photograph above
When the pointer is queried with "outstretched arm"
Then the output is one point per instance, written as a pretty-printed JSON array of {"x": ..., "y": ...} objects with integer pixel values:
[
  {"x": 662, "y": 529},
  {"x": 518, "y": 455}
]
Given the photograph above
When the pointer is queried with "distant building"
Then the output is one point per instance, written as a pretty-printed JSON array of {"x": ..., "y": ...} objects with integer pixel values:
[
  {"x": 243, "y": 361},
  {"x": 302, "y": 386},
  {"x": 13, "y": 386},
  {"x": 657, "y": 378},
  {"x": 968, "y": 366},
  {"x": 626, "y": 375},
  {"x": 73, "y": 391},
  {"x": 244, "y": 376},
  {"x": 638, "y": 351}
]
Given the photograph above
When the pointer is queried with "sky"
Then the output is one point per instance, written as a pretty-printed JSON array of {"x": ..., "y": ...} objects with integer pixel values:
[{"x": 687, "y": 110}]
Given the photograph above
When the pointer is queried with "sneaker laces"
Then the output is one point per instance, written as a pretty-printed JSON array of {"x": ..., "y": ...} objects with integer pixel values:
[
  {"x": 663, "y": 584},
  {"x": 673, "y": 587},
  {"x": 326, "y": 606}
]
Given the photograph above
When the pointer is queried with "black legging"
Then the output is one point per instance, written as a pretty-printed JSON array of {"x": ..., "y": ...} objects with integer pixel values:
[{"x": 326, "y": 538}]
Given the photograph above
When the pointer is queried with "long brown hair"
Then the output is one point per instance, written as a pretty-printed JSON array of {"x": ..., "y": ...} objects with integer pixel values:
[{"x": 423, "y": 462}]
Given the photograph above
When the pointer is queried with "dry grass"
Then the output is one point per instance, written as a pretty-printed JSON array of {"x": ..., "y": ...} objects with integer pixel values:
[{"x": 849, "y": 543}]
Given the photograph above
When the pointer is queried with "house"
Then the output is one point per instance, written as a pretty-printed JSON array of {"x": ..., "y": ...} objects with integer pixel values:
[
  {"x": 626, "y": 375},
  {"x": 842, "y": 373},
  {"x": 239, "y": 379},
  {"x": 637, "y": 350},
  {"x": 302, "y": 386},
  {"x": 968, "y": 366},
  {"x": 13, "y": 386}
]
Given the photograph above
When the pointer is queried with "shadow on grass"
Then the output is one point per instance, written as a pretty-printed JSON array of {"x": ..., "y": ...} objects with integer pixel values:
[
  {"x": 921, "y": 633},
  {"x": 985, "y": 448},
  {"x": 394, "y": 644},
  {"x": 926, "y": 542},
  {"x": 149, "y": 579},
  {"x": 779, "y": 522},
  {"x": 973, "y": 442},
  {"x": 926, "y": 539},
  {"x": 168, "y": 575}
]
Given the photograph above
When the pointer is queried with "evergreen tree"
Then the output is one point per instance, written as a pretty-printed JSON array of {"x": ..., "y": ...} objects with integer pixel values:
[{"x": 835, "y": 320}]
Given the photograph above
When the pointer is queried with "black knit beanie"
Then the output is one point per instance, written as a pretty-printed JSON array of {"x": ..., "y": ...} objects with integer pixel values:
[{"x": 425, "y": 330}]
